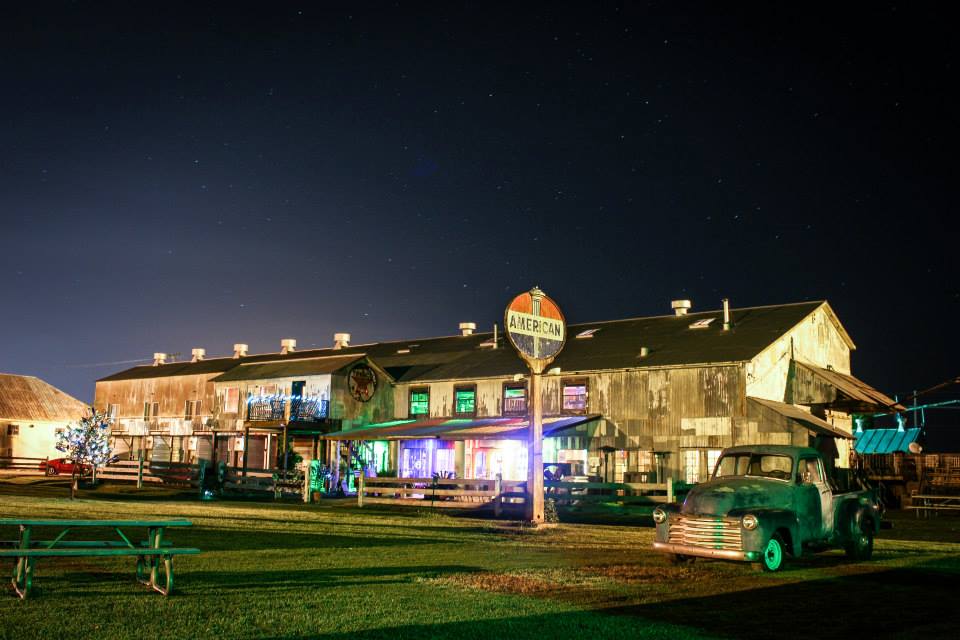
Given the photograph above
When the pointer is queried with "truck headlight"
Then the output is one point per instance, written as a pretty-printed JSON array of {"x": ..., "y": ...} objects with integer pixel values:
[
  {"x": 659, "y": 515},
  {"x": 749, "y": 522}
]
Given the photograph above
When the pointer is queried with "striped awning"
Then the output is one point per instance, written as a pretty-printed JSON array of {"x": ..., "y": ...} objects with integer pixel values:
[
  {"x": 872, "y": 441},
  {"x": 459, "y": 428}
]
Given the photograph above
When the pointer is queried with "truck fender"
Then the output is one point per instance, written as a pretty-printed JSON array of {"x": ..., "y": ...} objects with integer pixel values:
[
  {"x": 772, "y": 520},
  {"x": 853, "y": 513}
]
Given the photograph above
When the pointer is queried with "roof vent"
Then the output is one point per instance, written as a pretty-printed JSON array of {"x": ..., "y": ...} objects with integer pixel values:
[
  {"x": 240, "y": 350},
  {"x": 288, "y": 345},
  {"x": 644, "y": 352},
  {"x": 467, "y": 328},
  {"x": 702, "y": 324},
  {"x": 159, "y": 358},
  {"x": 341, "y": 340},
  {"x": 727, "y": 320},
  {"x": 198, "y": 354},
  {"x": 587, "y": 333},
  {"x": 680, "y": 307}
]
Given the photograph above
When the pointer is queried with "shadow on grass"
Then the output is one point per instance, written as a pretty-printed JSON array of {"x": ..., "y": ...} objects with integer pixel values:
[{"x": 900, "y": 603}]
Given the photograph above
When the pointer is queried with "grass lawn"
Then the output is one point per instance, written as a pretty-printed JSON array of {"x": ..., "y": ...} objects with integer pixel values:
[{"x": 335, "y": 571}]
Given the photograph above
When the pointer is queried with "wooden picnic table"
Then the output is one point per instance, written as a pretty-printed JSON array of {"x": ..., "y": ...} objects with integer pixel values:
[
  {"x": 935, "y": 503},
  {"x": 150, "y": 554}
]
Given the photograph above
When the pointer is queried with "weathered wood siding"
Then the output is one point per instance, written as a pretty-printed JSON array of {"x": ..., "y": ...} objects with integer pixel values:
[
  {"x": 351, "y": 411},
  {"x": 317, "y": 385},
  {"x": 815, "y": 340},
  {"x": 660, "y": 410},
  {"x": 170, "y": 392}
]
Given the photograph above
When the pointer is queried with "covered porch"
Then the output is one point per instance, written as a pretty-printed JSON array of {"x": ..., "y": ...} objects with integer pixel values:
[{"x": 479, "y": 448}]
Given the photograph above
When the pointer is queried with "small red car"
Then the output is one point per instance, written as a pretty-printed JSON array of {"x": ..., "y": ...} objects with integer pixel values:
[{"x": 62, "y": 465}]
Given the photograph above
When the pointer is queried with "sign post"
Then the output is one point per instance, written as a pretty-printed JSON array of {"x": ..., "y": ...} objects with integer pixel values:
[{"x": 537, "y": 330}]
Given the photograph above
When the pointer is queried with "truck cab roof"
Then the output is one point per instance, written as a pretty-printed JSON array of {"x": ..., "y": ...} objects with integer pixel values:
[{"x": 781, "y": 449}]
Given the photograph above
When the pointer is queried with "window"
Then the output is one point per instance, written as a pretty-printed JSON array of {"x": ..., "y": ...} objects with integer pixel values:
[
  {"x": 231, "y": 399},
  {"x": 465, "y": 400},
  {"x": 113, "y": 410},
  {"x": 196, "y": 408},
  {"x": 702, "y": 324},
  {"x": 691, "y": 465},
  {"x": 713, "y": 456},
  {"x": 762, "y": 465},
  {"x": 419, "y": 402},
  {"x": 13, "y": 429},
  {"x": 574, "y": 396},
  {"x": 188, "y": 410},
  {"x": 151, "y": 410},
  {"x": 810, "y": 471},
  {"x": 514, "y": 399}
]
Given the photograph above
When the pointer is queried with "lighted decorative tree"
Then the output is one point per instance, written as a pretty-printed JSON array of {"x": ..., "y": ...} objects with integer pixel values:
[{"x": 87, "y": 445}]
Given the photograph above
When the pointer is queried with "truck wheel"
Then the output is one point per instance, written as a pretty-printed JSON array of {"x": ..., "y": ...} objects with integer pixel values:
[
  {"x": 771, "y": 558},
  {"x": 860, "y": 546}
]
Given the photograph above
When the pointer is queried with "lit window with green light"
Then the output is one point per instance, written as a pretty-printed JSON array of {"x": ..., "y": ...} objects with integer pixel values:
[
  {"x": 419, "y": 402},
  {"x": 515, "y": 399},
  {"x": 465, "y": 401}
]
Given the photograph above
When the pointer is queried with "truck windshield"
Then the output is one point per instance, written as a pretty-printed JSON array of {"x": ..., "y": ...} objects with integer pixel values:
[{"x": 764, "y": 465}]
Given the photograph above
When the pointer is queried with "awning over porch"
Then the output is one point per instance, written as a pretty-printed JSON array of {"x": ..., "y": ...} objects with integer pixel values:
[
  {"x": 804, "y": 418},
  {"x": 461, "y": 429},
  {"x": 872, "y": 441},
  {"x": 839, "y": 391}
]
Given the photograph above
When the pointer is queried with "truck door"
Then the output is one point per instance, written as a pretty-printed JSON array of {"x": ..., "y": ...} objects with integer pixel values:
[{"x": 814, "y": 483}]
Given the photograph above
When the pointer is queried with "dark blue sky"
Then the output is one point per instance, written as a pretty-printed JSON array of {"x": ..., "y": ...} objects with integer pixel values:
[{"x": 173, "y": 177}]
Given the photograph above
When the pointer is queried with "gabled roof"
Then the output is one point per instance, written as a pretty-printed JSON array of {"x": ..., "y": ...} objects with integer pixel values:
[
  {"x": 28, "y": 398},
  {"x": 285, "y": 369},
  {"x": 615, "y": 344}
]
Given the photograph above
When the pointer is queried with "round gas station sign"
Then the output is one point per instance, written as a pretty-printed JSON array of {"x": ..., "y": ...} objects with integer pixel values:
[{"x": 536, "y": 327}]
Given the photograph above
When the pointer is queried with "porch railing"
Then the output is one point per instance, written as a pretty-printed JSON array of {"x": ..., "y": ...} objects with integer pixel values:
[
  {"x": 308, "y": 409},
  {"x": 266, "y": 409}
]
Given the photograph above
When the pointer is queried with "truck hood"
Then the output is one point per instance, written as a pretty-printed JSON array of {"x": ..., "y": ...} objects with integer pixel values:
[{"x": 719, "y": 497}]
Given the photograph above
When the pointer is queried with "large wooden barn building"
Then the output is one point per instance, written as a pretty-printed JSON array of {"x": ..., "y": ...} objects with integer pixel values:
[{"x": 632, "y": 399}]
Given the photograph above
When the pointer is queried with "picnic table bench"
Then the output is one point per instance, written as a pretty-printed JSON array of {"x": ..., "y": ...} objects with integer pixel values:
[{"x": 150, "y": 553}]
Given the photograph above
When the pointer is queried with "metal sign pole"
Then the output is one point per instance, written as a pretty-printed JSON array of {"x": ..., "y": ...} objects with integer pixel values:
[{"x": 534, "y": 503}]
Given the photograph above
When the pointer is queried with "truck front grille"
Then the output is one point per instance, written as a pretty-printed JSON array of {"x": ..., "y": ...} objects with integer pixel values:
[{"x": 705, "y": 531}]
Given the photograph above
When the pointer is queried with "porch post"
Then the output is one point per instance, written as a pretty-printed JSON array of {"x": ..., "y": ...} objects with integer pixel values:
[{"x": 246, "y": 449}]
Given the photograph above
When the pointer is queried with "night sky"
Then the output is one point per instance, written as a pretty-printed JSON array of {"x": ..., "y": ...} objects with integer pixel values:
[{"x": 173, "y": 178}]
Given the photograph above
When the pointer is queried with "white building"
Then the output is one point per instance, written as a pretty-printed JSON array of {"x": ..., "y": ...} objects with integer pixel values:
[{"x": 31, "y": 413}]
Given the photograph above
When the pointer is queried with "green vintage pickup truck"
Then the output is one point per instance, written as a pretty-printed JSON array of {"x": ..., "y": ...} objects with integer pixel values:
[{"x": 764, "y": 503}]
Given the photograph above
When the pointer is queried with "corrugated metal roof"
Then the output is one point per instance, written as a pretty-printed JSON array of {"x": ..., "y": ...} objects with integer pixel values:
[
  {"x": 458, "y": 428},
  {"x": 885, "y": 440},
  {"x": 615, "y": 345},
  {"x": 26, "y": 398},
  {"x": 286, "y": 369},
  {"x": 797, "y": 414},
  {"x": 859, "y": 395}
]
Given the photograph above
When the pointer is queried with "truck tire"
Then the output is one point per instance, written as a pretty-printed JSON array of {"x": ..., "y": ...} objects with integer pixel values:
[
  {"x": 860, "y": 544},
  {"x": 771, "y": 557}
]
